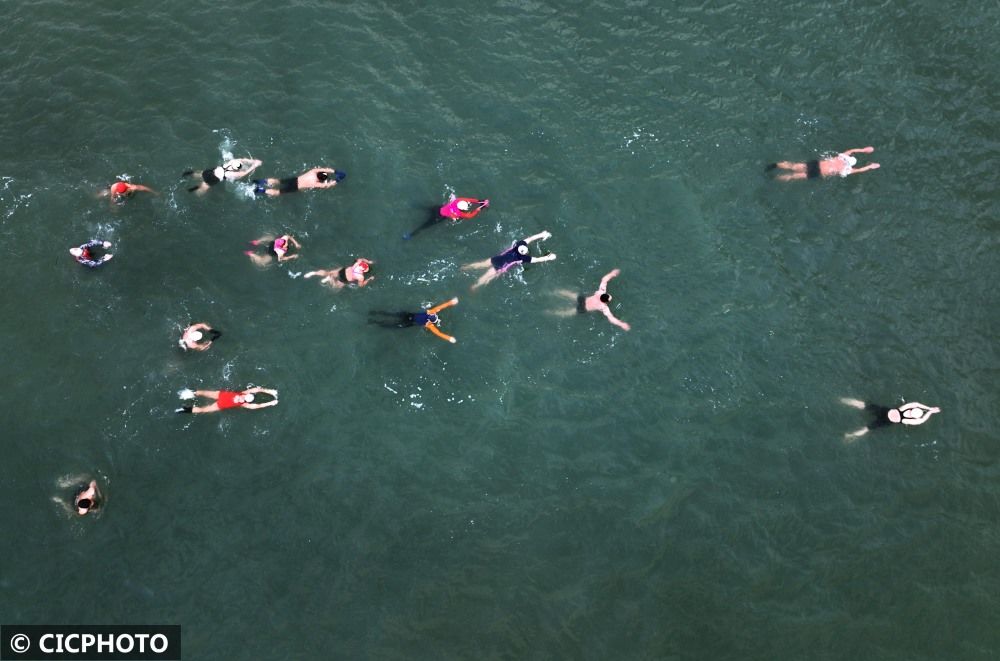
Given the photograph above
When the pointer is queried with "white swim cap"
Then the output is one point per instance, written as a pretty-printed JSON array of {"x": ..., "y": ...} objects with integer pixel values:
[
  {"x": 463, "y": 205},
  {"x": 851, "y": 161},
  {"x": 76, "y": 252},
  {"x": 195, "y": 335},
  {"x": 248, "y": 397}
]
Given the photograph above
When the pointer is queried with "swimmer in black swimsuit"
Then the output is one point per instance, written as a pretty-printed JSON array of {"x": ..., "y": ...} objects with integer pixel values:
[
  {"x": 277, "y": 248},
  {"x": 232, "y": 170},
  {"x": 356, "y": 274},
  {"x": 315, "y": 178},
  {"x": 518, "y": 253},
  {"x": 913, "y": 413}
]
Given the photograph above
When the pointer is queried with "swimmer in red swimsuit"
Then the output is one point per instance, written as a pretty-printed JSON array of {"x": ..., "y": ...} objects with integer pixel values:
[{"x": 227, "y": 399}]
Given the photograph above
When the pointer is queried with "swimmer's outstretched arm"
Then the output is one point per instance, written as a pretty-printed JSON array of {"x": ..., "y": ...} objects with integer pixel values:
[
  {"x": 615, "y": 320},
  {"x": 294, "y": 242},
  {"x": 855, "y": 435},
  {"x": 541, "y": 235},
  {"x": 273, "y": 402},
  {"x": 873, "y": 166},
  {"x": 544, "y": 258},
  {"x": 441, "y": 306},
  {"x": 444, "y": 336},
  {"x": 286, "y": 257},
  {"x": 860, "y": 150}
]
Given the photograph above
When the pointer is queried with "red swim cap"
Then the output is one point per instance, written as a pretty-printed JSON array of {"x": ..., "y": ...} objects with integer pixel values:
[{"x": 119, "y": 188}]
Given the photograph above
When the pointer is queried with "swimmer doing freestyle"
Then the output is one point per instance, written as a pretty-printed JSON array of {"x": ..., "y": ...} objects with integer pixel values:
[
  {"x": 840, "y": 165},
  {"x": 596, "y": 302},
  {"x": 457, "y": 208},
  {"x": 119, "y": 191},
  {"x": 277, "y": 248},
  {"x": 518, "y": 253},
  {"x": 912, "y": 413},
  {"x": 232, "y": 170},
  {"x": 354, "y": 275},
  {"x": 427, "y": 318},
  {"x": 315, "y": 178}
]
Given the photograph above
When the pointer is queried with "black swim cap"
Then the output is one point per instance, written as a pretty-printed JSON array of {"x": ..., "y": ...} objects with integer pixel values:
[
  {"x": 605, "y": 297},
  {"x": 84, "y": 503},
  {"x": 322, "y": 176}
]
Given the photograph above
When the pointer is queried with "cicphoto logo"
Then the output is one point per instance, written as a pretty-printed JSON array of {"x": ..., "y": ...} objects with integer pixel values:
[{"x": 89, "y": 642}]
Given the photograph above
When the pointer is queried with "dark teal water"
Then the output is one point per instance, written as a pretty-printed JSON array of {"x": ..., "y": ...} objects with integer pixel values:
[{"x": 545, "y": 488}]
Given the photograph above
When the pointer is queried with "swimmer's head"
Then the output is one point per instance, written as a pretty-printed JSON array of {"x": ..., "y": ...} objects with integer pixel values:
[
  {"x": 851, "y": 161},
  {"x": 76, "y": 252},
  {"x": 83, "y": 506},
  {"x": 235, "y": 165},
  {"x": 195, "y": 336},
  {"x": 605, "y": 297},
  {"x": 281, "y": 245},
  {"x": 248, "y": 397},
  {"x": 322, "y": 176},
  {"x": 463, "y": 205},
  {"x": 362, "y": 266},
  {"x": 433, "y": 318},
  {"x": 894, "y": 415},
  {"x": 522, "y": 250},
  {"x": 119, "y": 188}
]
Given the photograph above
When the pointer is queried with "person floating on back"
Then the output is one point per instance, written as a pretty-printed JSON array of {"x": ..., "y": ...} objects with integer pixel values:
[
  {"x": 355, "y": 275},
  {"x": 596, "y": 302},
  {"x": 315, "y": 178},
  {"x": 226, "y": 399},
  {"x": 232, "y": 170},
  {"x": 93, "y": 253},
  {"x": 913, "y": 413},
  {"x": 840, "y": 165},
  {"x": 119, "y": 191},
  {"x": 518, "y": 253},
  {"x": 428, "y": 319},
  {"x": 198, "y": 337},
  {"x": 276, "y": 248},
  {"x": 457, "y": 208}
]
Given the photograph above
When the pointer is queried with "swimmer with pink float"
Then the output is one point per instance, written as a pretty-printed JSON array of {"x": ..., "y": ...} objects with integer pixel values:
[{"x": 457, "y": 208}]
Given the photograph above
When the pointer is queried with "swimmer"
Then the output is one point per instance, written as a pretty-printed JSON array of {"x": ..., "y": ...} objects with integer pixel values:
[
  {"x": 87, "y": 499},
  {"x": 428, "y": 319},
  {"x": 596, "y": 302},
  {"x": 913, "y": 413},
  {"x": 518, "y": 253},
  {"x": 198, "y": 337},
  {"x": 120, "y": 190},
  {"x": 840, "y": 165},
  {"x": 225, "y": 399},
  {"x": 457, "y": 208},
  {"x": 356, "y": 274},
  {"x": 93, "y": 253},
  {"x": 279, "y": 248},
  {"x": 232, "y": 170},
  {"x": 315, "y": 178}
]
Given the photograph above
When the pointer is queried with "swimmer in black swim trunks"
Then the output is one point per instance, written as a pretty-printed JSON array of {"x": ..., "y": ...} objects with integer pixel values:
[
  {"x": 315, "y": 178},
  {"x": 596, "y": 302},
  {"x": 913, "y": 413},
  {"x": 840, "y": 165},
  {"x": 231, "y": 170}
]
